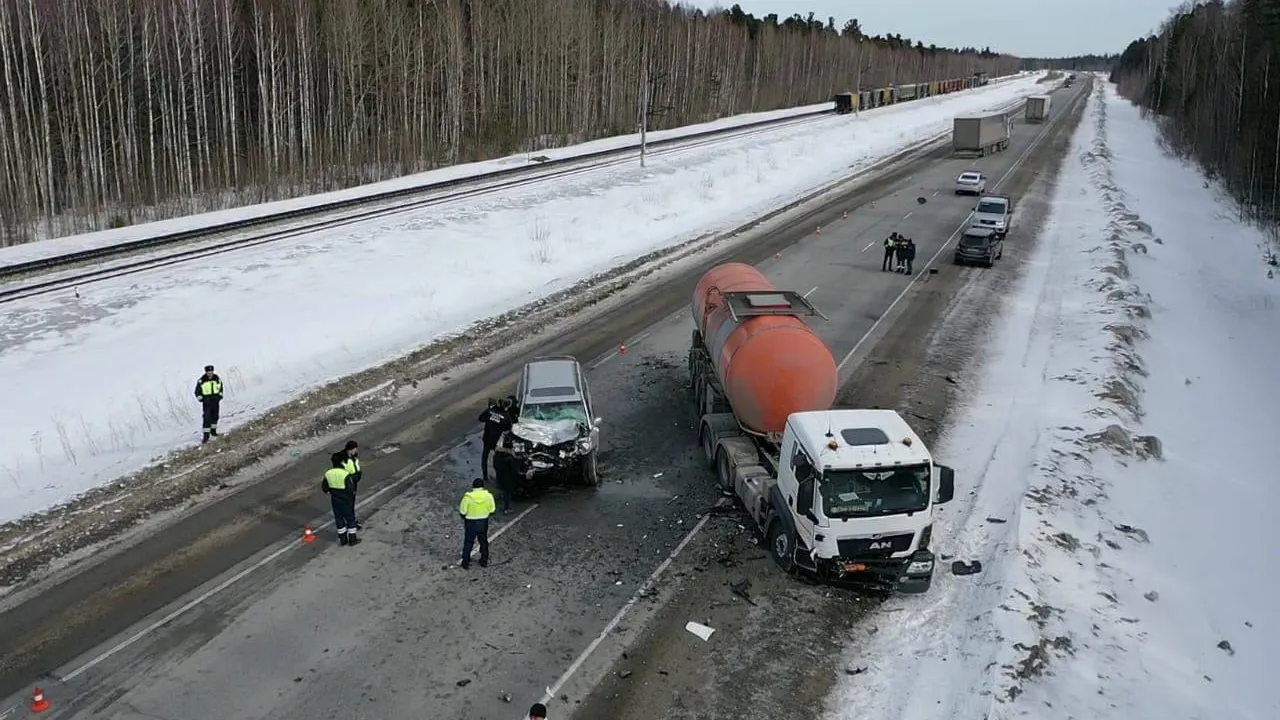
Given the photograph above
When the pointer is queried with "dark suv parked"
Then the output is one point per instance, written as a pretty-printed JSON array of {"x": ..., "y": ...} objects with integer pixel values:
[{"x": 979, "y": 246}]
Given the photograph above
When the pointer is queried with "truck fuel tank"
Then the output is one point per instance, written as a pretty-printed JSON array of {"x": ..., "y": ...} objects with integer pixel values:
[{"x": 769, "y": 361}]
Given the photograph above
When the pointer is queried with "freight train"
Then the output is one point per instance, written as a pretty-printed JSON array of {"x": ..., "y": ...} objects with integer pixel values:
[{"x": 847, "y": 102}]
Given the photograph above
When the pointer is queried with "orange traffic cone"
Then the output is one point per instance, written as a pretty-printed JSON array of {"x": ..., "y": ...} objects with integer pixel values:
[
  {"x": 777, "y": 256},
  {"x": 622, "y": 349},
  {"x": 819, "y": 230},
  {"x": 38, "y": 702},
  {"x": 845, "y": 216},
  {"x": 307, "y": 535}
]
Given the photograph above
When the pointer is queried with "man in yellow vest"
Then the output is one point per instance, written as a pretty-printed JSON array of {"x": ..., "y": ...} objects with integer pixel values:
[
  {"x": 351, "y": 463},
  {"x": 209, "y": 393},
  {"x": 476, "y": 507},
  {"x": 341, "y": 489}
]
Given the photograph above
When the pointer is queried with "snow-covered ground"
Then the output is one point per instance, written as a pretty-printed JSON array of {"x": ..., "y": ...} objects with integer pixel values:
[
  {"x": 106, "y": 238},
  {"x": 1121, "y": 503},
  {"x": 99, "y": 385}
]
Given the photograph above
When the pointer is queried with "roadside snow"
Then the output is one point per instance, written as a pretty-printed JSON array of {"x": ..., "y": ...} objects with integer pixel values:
[
  {"x": 100, "y": 385},
  {"x": 1116, "y": 584}
]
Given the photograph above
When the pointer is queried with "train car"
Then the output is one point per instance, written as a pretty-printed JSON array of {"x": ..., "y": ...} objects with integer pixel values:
[
  {"x": 908, "y": 92},
  {"x": 844, "y": 103}
]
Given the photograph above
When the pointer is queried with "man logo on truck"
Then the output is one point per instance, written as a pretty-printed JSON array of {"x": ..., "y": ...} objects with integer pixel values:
[{"x": 882, "y": 545}]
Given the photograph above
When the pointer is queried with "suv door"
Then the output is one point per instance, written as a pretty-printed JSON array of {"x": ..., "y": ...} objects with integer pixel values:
[{"x": 591, "y": 408}]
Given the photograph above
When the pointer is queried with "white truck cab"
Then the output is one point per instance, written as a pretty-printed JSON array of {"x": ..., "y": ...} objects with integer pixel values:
[
  {"x": 994, "y": 212},
  {"x": 851, "y": 499}
]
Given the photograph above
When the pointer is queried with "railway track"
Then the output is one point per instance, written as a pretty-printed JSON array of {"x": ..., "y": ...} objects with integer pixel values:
[
  {"x": 185, "y": 247},
  {"x": 384, "y": 204}
]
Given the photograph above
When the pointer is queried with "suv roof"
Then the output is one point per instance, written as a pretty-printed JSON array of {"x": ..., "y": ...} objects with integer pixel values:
[
  {"x": 979, "y": 231},
  {"x": 550, "y": 379}
]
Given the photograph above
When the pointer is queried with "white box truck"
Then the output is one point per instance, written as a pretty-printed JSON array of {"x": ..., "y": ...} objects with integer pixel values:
[{"x": 1037, "y": 109}]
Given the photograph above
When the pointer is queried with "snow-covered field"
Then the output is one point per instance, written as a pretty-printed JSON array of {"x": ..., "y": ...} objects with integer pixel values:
[
  {"x": 100, "y": 385},
  {"x": 1121, "y": 503}
]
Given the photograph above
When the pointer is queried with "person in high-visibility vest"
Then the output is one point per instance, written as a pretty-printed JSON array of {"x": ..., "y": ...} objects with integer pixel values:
[
  {"x": 209, "y": 393},
  {"x": 341, "y": 489},
  {"x": 351, "y": 463},
  {"x": 476, "y": 507}
]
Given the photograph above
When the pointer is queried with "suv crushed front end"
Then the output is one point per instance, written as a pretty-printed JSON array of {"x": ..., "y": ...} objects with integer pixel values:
[{"x": 552, "y": 452}]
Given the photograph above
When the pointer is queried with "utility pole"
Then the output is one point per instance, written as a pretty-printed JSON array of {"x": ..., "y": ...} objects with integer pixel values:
[
  {"x": 857, "y": 90},
  {"x": 644, "y": 110}
]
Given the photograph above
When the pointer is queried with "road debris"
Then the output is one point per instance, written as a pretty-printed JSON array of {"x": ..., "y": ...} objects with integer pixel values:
[{"x": 702, "y": 631}]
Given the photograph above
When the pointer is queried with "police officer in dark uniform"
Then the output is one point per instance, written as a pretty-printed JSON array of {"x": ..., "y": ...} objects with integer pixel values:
[
  {"x": 209, "y": 393},
  {"x": 341, "y": 489},
  {"x": 504, "y": 468},
  {"x": 351, "y": 463},
  {"x": 909, "y": 253},
  {"x": 497, "y": 419}
]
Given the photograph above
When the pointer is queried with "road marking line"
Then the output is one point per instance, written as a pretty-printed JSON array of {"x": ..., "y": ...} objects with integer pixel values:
[
  {"x": 806, "y": 295},
  {"x": 869, "y": 246},
  {"x": 622, "y": 613},
  {"x": 1035, "y": 142},
  {"x": 206, "y": 595},
  {"x": 935, "y": 193},
  {"x": 475, "y": 552},
  {"x": 904, "y": 217}
]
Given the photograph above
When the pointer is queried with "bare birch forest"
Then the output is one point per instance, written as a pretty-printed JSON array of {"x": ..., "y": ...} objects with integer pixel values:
[
  {"x": 123, "y": 111},
  {"x": 1211, "y": 76}
]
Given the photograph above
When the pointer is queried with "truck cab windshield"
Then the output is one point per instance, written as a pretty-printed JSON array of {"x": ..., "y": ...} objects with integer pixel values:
[
  {"x": 990, "y": 208},
  {"x": 874, "y": 491}
]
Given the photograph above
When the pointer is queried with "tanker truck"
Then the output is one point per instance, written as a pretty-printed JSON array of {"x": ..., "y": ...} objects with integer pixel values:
[{"x": 846, "y": 495}]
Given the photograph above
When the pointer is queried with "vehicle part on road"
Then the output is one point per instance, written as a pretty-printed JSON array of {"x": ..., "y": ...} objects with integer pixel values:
[
  {"x": 846, "y": 495},
  {"x": 556, "y": 434},
  {"x": 960, "y": 567},
  {"x": 768, "y": 362}
]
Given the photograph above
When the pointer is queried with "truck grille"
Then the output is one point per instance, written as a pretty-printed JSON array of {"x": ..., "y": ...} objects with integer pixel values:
[{"x": 874, "y": 547}]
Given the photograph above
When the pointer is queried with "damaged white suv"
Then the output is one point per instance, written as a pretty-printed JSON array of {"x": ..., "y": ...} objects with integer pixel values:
[{"x": 556, "y": 435}]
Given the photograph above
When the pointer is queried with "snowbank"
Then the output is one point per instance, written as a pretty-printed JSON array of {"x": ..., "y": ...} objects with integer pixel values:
[
  {"x": 1121, "y": 502},
  {"x": 97, "y": 386}
]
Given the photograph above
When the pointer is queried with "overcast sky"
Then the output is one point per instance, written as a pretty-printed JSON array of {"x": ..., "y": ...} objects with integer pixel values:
[{"x": 1028, "y": 28}]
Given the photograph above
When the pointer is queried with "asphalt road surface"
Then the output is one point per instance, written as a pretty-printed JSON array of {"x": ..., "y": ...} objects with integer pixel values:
[{"x": 216, "y": 618}]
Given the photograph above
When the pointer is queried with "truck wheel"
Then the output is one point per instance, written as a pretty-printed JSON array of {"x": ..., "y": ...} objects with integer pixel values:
[
  {"x": 709, "y": 445},
  {"x": 782, "y": 545},
  {"x": 724, "y": 473}
]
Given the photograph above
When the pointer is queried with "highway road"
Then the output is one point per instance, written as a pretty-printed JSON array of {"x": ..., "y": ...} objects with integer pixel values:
[{"x": 220, "y": 616}]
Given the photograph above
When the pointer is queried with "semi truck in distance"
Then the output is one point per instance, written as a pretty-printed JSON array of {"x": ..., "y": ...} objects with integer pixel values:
[
  {"x": 845, "y": 495},
  {"x": 981, "y": 134},
  {"x": 1037, "y": 110}
]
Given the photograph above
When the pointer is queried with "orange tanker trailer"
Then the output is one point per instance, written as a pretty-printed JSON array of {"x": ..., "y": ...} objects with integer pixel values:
[{"x": 765, "y": 361}]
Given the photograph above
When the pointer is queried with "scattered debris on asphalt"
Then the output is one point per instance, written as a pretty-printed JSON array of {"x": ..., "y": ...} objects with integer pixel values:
[{"x": 700, "y": 630}]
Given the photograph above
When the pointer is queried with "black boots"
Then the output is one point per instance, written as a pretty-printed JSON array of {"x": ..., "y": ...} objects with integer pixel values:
[
  {"x": 342, "y": 539},
  {"x": 352, "y": 539}
]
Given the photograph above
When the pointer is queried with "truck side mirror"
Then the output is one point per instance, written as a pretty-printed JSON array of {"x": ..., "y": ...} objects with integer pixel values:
[
  {"x": 596, "y": 423},
  {"x": 804, "y": 499},
  {"x": 946, "y": 484}
]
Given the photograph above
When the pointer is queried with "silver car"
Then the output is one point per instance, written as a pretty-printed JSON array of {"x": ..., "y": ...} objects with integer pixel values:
[
  {"x": 556, "y": 434},
  {"x": 971, "y": 182}
]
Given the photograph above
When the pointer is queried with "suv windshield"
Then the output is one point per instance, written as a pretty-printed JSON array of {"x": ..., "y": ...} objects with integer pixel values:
[
  {"x": 552, "y": 411},
  {"x": 991, "y": 208},
  {"x": 882, "y": 491}
]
